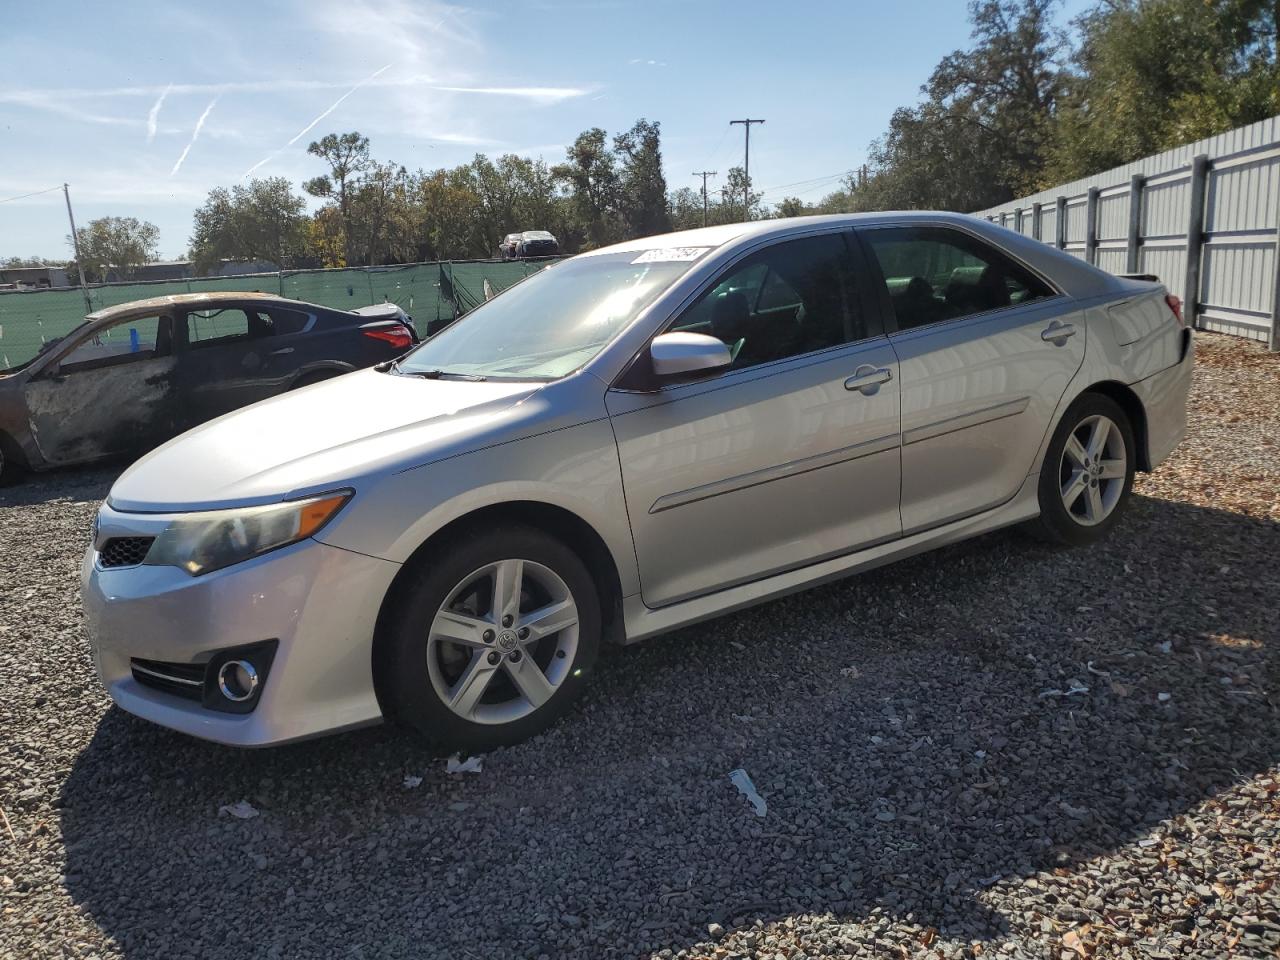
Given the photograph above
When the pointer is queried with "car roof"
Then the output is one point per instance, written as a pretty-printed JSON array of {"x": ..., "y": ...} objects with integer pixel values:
[
  {"x": 722, "y": 234},
  {"x": 193, "y": 301}
]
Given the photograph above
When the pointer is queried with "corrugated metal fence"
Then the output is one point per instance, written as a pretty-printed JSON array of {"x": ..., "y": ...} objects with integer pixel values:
[{"x": 1204, "y": 218}]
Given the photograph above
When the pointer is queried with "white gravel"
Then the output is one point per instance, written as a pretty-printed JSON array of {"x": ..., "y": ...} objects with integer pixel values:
[{"x": 923, "y": 797}]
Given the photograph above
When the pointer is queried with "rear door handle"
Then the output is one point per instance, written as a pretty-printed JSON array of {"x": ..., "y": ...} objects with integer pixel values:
[
  {"x": 1057, "y": 332},
  {"x": 867, "y": 379},
  {"x": 282, "y": 351}
]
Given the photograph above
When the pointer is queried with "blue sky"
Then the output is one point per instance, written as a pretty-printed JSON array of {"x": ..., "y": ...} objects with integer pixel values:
[{"x": 144, "y": 107}]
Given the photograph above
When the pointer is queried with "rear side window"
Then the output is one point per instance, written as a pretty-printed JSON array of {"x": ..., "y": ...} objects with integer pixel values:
[
  {"x": 789, "y": 299},
  {"x": 226, "y": 325},
  {"x": 285, "y": 322},
  {"x": 934, "y": 274}
]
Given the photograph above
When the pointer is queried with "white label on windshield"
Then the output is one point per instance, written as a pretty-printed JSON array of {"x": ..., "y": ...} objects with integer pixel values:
[{"x": 671, "y": 255}]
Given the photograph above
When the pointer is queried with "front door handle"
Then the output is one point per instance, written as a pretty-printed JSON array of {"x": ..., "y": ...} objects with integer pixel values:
[
  {"x": 1057, "y": 332},
  {"x": 867, "y": 379},
  {"x": 282, "y": 351}
]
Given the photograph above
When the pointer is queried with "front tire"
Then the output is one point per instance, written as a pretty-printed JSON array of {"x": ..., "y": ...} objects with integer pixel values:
[
  {"x": 1087, "y": 473},
  {"x": 490, "y": 640},
  {"x": 11, "y": 465}
]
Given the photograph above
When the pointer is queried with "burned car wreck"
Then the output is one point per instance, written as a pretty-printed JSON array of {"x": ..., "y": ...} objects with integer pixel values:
[{"x": 135, "y": 375}]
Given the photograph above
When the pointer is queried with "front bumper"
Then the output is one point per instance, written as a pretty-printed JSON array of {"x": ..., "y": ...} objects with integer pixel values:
[{"x": 318, "y": 601}]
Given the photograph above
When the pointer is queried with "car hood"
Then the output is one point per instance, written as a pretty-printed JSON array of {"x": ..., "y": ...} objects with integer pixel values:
[{"x": 328, "y": 435}]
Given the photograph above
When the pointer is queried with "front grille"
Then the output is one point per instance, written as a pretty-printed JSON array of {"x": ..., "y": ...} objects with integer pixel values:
[
  {"x": 124, "y": 551},
  {"x": 181, "y": 679}
]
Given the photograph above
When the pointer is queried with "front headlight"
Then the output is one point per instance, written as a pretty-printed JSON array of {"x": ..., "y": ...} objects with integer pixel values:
[{"x": 201, "y": 542}]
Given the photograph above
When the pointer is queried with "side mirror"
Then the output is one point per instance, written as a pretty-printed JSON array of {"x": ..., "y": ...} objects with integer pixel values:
[{"x": 687, "y": 354}]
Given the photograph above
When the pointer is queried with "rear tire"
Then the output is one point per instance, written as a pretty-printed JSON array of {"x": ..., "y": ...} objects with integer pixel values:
[
  {"x": 1087, "y": 473},
  {"x": 491, "y": 641}
]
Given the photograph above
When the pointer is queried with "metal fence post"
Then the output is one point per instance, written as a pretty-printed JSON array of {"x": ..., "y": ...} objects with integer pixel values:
[
  {"x": 1060, "y": 223},
  {"x": 1036, "y": 213},
  {"x": 1273, "y": 342},
  {"x": 1195, "y": 239},
  {"x": 1136, "y": 183},
  {"x": 1017, "y": 219},
  {"x": 1091, "y": 227}
]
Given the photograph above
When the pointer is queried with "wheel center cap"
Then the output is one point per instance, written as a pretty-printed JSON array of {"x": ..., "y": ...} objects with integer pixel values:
[{"x": 507, "y": 640}]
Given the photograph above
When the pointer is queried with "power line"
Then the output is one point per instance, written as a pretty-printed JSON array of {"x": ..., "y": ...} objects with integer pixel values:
[
  {"x": 800, "y": 183},
  {"x": 746, "y": 165},
  {"x": 704, "y": 174},
  {"x": 25, "y": 195}
]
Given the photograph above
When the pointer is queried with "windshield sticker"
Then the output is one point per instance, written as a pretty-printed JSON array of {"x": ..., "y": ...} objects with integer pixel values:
[{"x": 671, "y": 255}]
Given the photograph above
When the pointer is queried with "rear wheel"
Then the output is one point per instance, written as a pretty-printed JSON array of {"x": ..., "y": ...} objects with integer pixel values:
[
  {"x": 492, "y": 640},
  {"x": 1087, "y": 472}
]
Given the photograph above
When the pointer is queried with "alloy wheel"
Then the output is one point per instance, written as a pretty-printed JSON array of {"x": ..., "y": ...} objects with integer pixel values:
[
  {"x": 1093, "y": 470},
  {"x": 503, "y": 642}
]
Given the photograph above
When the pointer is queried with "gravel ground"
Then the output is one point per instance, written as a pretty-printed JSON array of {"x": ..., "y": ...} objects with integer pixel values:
[{"x": 938, "y": 780}]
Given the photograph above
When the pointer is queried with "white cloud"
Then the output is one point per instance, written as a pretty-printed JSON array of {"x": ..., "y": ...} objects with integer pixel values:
[
  {"x": 195, "y": 135},
  {"x": 153, "y": 115}
]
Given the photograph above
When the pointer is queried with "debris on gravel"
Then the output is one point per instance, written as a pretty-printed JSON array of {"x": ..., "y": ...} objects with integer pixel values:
[{"x": 929, "y": 802}]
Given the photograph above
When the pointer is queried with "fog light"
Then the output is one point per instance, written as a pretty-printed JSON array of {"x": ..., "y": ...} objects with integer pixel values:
[
  {"x": 237, "y": 680},
  {"x": 236, "y": 677}
]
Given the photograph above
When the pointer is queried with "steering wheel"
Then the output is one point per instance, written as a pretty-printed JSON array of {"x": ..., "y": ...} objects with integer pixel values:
[{"x": 736, "y": 349}]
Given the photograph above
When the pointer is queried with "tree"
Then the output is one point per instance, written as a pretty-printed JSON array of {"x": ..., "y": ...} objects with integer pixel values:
[
  {"x": 980, "y": 135},
  {"x": 685, "y": 208},
  {"x": 736, "y": 188},
  {"x": 1157, "y": 73},
  {"x": 348, "y": 158},
  {"x": 15, "y": 262},
  {"x": 791, "y": 207},
  {"x": 378, "y": 226},
  {"x": 264, "y": 220},
  {"x": 591, "y": 175},
  {"x": 642, "y": 189},
  {"x": 115, "y": 247}
]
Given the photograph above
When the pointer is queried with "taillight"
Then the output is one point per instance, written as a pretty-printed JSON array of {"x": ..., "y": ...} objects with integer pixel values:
[
  {"x": 1175, "y": 304},
  {"x": 401, "y": 339}
]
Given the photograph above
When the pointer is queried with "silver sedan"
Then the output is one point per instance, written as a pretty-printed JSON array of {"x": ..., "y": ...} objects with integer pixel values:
[{"x": 629, "y": 441}]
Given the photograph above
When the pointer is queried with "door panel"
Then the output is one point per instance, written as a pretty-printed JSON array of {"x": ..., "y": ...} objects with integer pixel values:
[
  {"x": 759, "y": 471},
  {"x": 984, "y": 361},
  {"x": 228, "y": 361},
  {"x": 978, "y": 396},
  {"x": 109, "y": 394}
]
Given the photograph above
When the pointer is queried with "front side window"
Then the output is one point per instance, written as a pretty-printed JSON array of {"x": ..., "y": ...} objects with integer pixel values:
[
  {"x": 791, "y": 298},
  {"x": 128, "y": 341},
  {"x": 553, "y": 322},
  {"x": 934, "y": 274}
]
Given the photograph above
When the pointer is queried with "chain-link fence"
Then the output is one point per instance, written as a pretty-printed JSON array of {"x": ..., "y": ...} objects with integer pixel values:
[{"x": 432, "y": 293}]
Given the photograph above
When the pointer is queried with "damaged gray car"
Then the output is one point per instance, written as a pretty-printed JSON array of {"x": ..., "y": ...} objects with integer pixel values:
[{"x": 135, "y": 375}]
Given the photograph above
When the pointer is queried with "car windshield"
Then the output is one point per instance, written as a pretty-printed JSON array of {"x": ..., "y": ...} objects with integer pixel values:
[{"x": 549, "y": 325}]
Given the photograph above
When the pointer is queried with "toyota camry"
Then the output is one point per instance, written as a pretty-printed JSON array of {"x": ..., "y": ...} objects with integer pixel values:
[{"x": 630, "y": 441}]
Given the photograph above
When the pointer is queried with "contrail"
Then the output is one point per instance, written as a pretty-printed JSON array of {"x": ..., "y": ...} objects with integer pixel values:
[
  {"x": 305, "y": 130},
  {"x": 154, "y": 115},
  {"x": 334, "y": 106},
  {"x": 194, "y": 135}
]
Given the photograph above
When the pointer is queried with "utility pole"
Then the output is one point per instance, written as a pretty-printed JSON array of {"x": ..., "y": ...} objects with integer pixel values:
[
  {"x": 746, "y": 164},
  {"x": 75, "y": 243},
  {"x": 704, "y": 174}
]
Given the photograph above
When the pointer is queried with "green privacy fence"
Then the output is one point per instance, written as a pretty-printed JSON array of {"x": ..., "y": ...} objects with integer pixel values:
[{"x": 431, "y": 293}]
